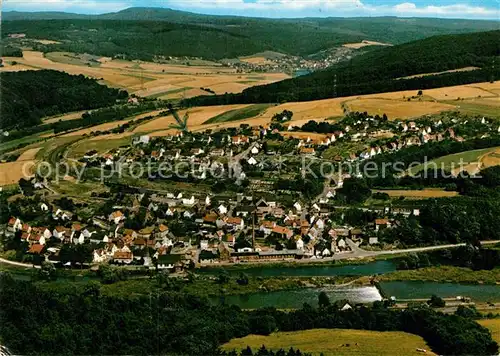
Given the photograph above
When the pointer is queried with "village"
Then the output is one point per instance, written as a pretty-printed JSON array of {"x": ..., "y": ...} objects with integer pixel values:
[{"x": 248, "y": 215}]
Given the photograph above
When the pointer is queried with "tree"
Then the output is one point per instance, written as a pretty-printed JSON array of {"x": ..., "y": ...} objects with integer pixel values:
[
  {"x": 354, "y": 190},
  {"x": 223, "y": 277},
  {"x": 242, "y": 279},
  {"x": 323, "y": 300},
  {"x": 47, "y": 271},
  {"x": 436, "y": 302},
  {"x": 181, "y": 123}
]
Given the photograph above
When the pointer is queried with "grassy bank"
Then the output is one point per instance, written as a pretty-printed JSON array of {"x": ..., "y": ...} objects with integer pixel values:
[
  {"x": 336, "y": 342},
  {"x": 494, "y": 326},
  {"x": 239, "y": 114},
  {"x": 445, "y": 274},
  {"x": 199, "y": 286}
]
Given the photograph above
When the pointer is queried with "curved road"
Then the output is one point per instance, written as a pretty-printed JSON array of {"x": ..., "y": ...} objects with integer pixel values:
[
  {"x": 18, "y": 264},
  {"x": 356, "y": 253}
]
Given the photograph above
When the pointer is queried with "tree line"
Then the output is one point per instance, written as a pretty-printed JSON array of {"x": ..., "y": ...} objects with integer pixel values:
[
  {"x": 383, "y": 70},
  {"x": 88, "y": 319},
  {"x": 27, "y": 96}
]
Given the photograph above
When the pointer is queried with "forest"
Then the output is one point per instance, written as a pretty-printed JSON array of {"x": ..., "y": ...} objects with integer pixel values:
[
  {"x": 141, "y": 33},
  {"x": 82, "y": 319},
  {"x": 383, "y": 70},
  {"x": 27, "y": 96}
]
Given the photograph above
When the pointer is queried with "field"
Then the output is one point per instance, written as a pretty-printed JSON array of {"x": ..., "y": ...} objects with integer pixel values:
[
  {"x": 102, "y": 127},
  {"x": 239, "y": 114},
  {"x": 465, "y": 69},
  {"x": 336, "y": 342},
  {"x": 146, "y": 78},
  {"x": 397, "y": 109},
  {"x": 394, "y": 104},
  {"x": 11, "y": 172},
  {"x": 101, "y": 146},
  {"x": 470, "y": 161},
  {"x": 365, "y": 43},
  {"x": 418, "y": 194},
  {"x": 66, "y": 117},
  {"x": 494, "y": 326},
  {"x": 197, "y": 116}
]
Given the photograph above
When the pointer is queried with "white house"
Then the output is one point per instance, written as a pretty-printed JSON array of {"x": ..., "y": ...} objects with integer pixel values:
[
  {"x": 14, "y": 224},
  {"x": 59, "y": 232},
  {"x": 297, "y": 206},
  {"x": 222, "y": 209},
  {"x": 346, "y": 306},
  {"x": 44, "y": 207},
  {"x": 208, "y": 201},
  {"x": 373, "y": 240},
  {"x": 204, "y": 244},
  {"x": 236, "y": 222},
  {"x": 188, "y": 202},
  {"x": 116, "y": 217},
  {"x": 254, "y": 150},
  {"x": 144, "y": 139},
  {"x": 300, "y": 244},
  {"x": 252, "y": 161}
]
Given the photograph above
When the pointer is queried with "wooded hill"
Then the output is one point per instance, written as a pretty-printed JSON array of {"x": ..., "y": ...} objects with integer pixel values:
[
  {"x": 27, "y": 96},
  {"x": 382, "y": 70},
  {"x": 143, "y": 33}
]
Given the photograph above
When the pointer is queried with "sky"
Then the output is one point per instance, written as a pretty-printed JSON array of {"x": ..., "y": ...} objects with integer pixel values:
[{"x": 473, "y": 9}]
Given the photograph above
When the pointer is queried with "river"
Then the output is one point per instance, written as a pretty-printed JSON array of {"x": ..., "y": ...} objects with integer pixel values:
[
  {"x": 423, "y": 290},
  {"x": 367, "y": 269},
  {"x": 292, "y": 299}
]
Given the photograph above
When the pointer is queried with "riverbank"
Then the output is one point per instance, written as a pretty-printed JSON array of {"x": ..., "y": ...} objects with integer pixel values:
[{"x": 448, "y": 274}]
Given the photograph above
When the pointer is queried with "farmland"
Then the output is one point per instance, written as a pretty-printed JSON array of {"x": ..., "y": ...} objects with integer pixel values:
[
  {"x": 470, "y": 161},
  {"x": 419, "y": 194},
  {"x": 494, "y": 326},
  {"x": 336, "y": 342},
  {"x": 165, "y": 81},
  {"x": 397, "y": 109},
  {"x": 365, "y": 43},
  {"x": 239, "y": 114}
]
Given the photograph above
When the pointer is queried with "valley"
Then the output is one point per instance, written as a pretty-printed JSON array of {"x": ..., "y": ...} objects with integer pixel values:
[{"x": 181, "y": 183}]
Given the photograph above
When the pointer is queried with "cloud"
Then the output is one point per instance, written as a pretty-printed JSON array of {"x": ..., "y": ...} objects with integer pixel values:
[
  {"x": 84, "y": 6},
  {"x": 288, "y": 8},
  {"x": 274, "y": 8},
  {"x": 409, "y": 8}
]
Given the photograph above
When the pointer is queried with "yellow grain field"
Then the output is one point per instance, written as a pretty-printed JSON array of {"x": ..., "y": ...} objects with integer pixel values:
[
  {"x": 66, "y": 117},
  {"x": 28, "y": 155},
  {"x": 419, "y": 194},
  {"x": 256, "y": 60},
  {"x": 337, "y": 342},
  {"x": 461, "y": 91},
  {"x": 11, "y": 172},
  {"x": 397, "y": 108},
  {"x": 103, "y": 127},
  {"x": 304, "y": 135},
  {"x": 364, "y": 43},
  {"x": 465, "y": 69},
  {"x": 490, "y": 159},
  {"x": 197, "y": 116},
  {"x": 152, "y": 79},
  {"x": 494, "y": 326}
]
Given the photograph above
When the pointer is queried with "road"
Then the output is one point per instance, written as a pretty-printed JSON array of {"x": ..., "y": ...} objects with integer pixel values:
[
  {"x": 356, "y": 253},
  {"x": 17, "y": 264}
]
